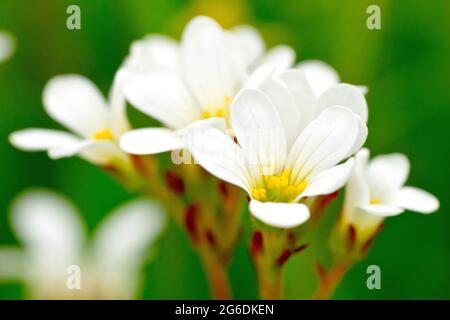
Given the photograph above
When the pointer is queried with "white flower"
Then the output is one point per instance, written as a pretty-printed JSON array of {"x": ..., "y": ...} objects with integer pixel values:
[
  {"x": 376, "y": 190},
  {"x": 182, "y": 84},
  {"x": 76, "y": 103},
  {"x": 275, "y": 171},
  {"x": 321, "y": 76},
  {"x": 54, "y": 238},
  {"x": 7, "y": 45}
]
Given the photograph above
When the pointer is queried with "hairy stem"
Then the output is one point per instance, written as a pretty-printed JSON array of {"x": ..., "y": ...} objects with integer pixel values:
[
  {"x": 271, "y": 285},
  {"x": 216, "y": 272}
]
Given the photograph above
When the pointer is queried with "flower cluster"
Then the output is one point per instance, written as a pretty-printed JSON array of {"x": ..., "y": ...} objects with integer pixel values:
[{"x": 287, "y": 135}]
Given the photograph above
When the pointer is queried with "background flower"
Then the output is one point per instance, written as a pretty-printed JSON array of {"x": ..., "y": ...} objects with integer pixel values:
[
  {"x": 7, "y": 45},
  {"x": 53, "y": 238}
]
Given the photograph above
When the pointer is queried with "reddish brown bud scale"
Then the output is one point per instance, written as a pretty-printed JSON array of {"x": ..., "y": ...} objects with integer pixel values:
[
  {"x": 256, "y": 244},
  {"x": 321, "y": 272},
  {"x": 174, "y": 182},
  {"x": 291, "y": 239},
  {"x": 325, "y": 200},
  {"x": 223, "y": 188},
  {"x": 301, "y": 248},
  {"x": 111, "y": 169},
  {"x": 283, "y": 257},
  {"x": 138, "y": 163},
  {"x": 351, "y": 237},
  {"x": 191, "y": 221},
  {"x": 210, "y": 237}
]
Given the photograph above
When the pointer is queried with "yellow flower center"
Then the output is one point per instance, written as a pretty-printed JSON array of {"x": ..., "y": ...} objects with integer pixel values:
[
  {"x": 218, "y": 111},
  {"x": 104, "y": 134},
  {"x": 375, "y": 201},
  {"x": 278, "y": 188}
]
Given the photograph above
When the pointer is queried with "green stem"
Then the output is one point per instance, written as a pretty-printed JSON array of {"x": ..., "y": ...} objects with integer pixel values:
[{"x": 331, "y": 280}]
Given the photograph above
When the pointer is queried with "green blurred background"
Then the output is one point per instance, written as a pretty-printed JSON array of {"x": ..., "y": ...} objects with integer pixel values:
[{"x": 406, "y": 66}]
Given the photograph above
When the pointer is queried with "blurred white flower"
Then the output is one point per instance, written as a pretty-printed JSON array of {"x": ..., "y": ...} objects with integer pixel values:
[
  {"x": 54, "y": 238},
  {"x": 76, "y": 103},
  {"x": 196, "y": 80},
  {"x": 376, "y": 190},
  {"x": 7, "y": 45},
  {"x": 277, "y": 162}
]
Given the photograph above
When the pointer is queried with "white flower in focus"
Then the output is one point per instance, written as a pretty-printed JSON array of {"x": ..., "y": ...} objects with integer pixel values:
[
  {"x": 53, "y": 238},
  {"x": 273, "y": 171},
  {"x": 376, "y": 190},
  {"x": 195, "y": 81},
  {"x": 7, "y": 45},
  {"x": 293, "y": 95},
  {"x": 76, "y": 103},
  {"x": 321, "y": 76}
]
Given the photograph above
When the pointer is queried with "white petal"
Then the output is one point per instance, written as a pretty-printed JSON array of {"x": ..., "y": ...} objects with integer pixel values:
[
  {"x": 154, "y": 52},
  {"x": 387, "y": 173},
  {"x": 259, "y": 76},
  {"x": 207, "y": 62},
  {"x": 200, "y": 126},
  {"x": 7, "y": 45},
  {"x": 363, "y": 131},
  {"x": 76, "y": 103},
  {"x": 382, "y": 210},
  {"x": 303, "y": 96},
  {"x": 259, "y": 131},
  {"x": 418, "y": 200},
  {"x": 98, "y": 152},
  {"x": 50, "y": 228},
  {"x": 164, "y": 97},
  {"x": 320, "y": 75},
  {"x": 117, "y": 103},
  {"x": 344, "y": 95},
  {"x": 150, "y": 141},
  {"x": 121, "y": 241},
  {"x": 248, "y": 43},
  {"x": 280, "y": 57},
  {"x": 288, "y": 110},
  {"x": 217, "y": 153},
  {"x": 357, "y": 192},
  {"x": 280, "y": 215},
  {"x": 324, "y": 142},
  {"x": 330, "y": 180},
  {"x": 40, "y": 139}
]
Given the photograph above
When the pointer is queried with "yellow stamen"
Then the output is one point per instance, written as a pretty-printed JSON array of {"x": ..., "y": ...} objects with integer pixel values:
[
  {"x": 220, "y": 110},
  {"x": 104, "y": 134},
  {"x": 206, "y": 114},
  {"x": 375, "y": 201},
  {"x": 278, "y": 188},
  {"x": 220, "y": 113}
]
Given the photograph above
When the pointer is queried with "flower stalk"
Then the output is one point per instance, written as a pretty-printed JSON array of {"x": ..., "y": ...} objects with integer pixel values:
[
  {"x": 328, "y": 281},
  {"x": 207, "y": 209}
]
